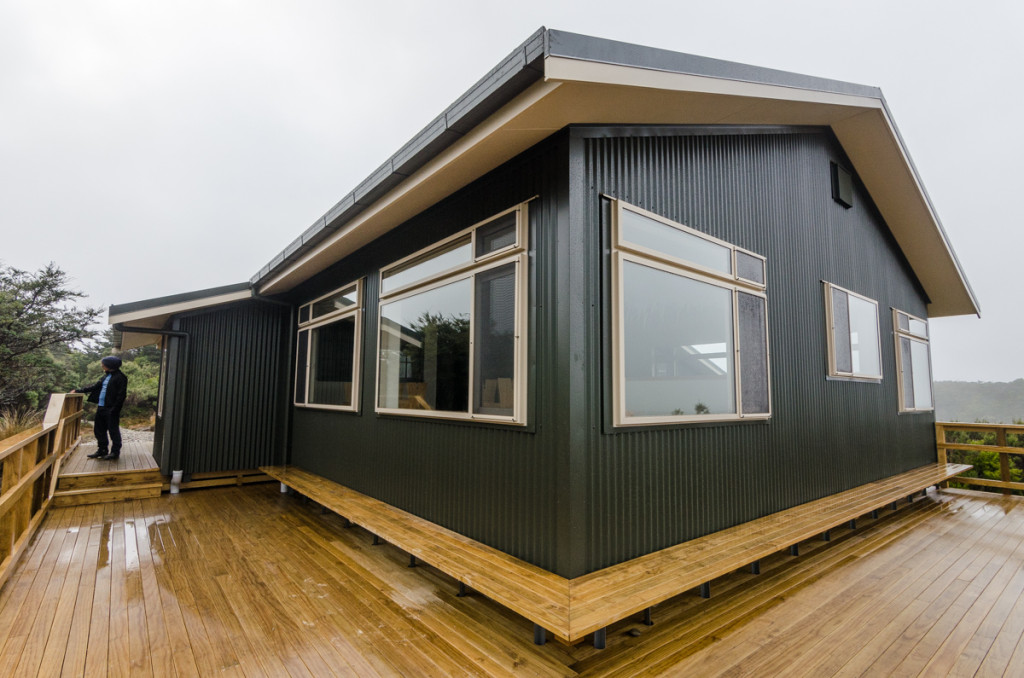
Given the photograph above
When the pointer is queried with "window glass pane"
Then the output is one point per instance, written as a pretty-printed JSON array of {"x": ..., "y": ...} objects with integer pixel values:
[
  {"x": 498, "y": 234},
  {"x": 918, "y": 327},
  {"x": 903, "y": 321},
  {"x": 494, "y": 323},
  {"x": 864, "y": 337},
  {"x": 303, "y": 314},
  {"x": 678, "y": 352},
  {"x": 424, "y": 356},
  {"x": 749, "y": 268},
  {"x": 907, "y": 362},
  {"x": 339, "y": 301},
  {"x": 841, "y": 334},
  {"x": 432, "y": 263},
  {"x": 332, "y": 349},
  {"x": 654, "y": 235},
  {"x": 753, "y": 353},
  {"x": 922, "y": 375},
  {"x": 301, "y": 355}
]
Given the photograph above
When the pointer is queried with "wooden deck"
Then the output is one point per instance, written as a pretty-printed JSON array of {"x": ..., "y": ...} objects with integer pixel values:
[
  {"x": 245, "y": 581},
  {"x": 136, "y": 455}
]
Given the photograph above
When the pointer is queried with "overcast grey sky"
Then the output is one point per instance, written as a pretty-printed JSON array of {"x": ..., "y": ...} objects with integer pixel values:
[{"x": 154, "y": 148}]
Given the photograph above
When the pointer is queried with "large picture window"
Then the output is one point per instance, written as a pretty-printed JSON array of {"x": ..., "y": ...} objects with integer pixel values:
[
  {"x": 690, "y": 332},
  {"x": 327, "y": 354},
  {"x": 913, "y": 362},
  {"x": 451, "y": 322},
  {"x": 853, "y": 337}
]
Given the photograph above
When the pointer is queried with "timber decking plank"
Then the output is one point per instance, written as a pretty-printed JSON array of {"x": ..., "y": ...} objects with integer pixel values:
[
  {"x": 714, "y": 618},
  {"x": 77, "y": 646},
  {"x": 571, "y": 609}
]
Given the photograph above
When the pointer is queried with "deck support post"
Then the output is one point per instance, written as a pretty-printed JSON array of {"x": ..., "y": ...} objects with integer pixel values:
[
  {"x": 323, "y": 510},
  {"x": 412, "y": 561},
  {"x": 705, "y": 590},
  {"x": 347, "y": 523},
  {"x": 600, "y": 638},
  {"x": 874, "y": 514},
  {"x": 755, "y": 567},
  {"x": 794, "y": 550},
  {"x": 826, "y": 535},
  {"x": 463, "y": 591},
  {"x": 910, "y": 499},
  {"x": 540, "y": 636},
  {"x": 376, "y": 540},
  {"x": 893, "y": 506},
  {"x": 648, "y": 617},
  {"x": 853, "y": 524}
]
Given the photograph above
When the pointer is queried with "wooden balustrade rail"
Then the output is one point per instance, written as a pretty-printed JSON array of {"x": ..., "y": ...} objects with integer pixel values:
[
  {"x": 1001, "y": 431},
  {"x": 29, "y": 466}
]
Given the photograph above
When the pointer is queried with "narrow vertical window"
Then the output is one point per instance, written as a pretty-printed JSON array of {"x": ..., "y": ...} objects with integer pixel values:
[
  {"x": 853, "y": 335},
  {"x": 690, "y": 334},
  {"x": 913, "y": 362},
  {"x": 327, "y": 350}
]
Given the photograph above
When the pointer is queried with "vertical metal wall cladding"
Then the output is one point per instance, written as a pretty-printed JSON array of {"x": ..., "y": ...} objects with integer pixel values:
[
  {"x": 234, "y": 405},
  {"x": 495, "y": 483},
  {"x": 768, "y": 192},
  {"x": 569, "y": 492}
]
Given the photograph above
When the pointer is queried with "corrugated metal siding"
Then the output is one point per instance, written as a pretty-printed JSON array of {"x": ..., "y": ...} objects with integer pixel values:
[
  {"x": 497, "y": 484},
  {"x": 237, "y": 359},
  {"x": 769, "y": 193}
]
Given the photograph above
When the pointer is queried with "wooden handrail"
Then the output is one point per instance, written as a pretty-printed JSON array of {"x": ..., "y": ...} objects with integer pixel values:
[
  {"x": 1005, "y": 482},
  {"x": 29, "y": 465}
]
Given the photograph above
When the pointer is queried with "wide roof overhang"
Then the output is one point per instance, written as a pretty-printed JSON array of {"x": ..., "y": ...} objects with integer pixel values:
[{"x": 556, "y": 79}]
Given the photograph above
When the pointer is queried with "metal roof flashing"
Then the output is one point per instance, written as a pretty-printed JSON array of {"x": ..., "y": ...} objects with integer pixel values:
[{"x": 556, "y": 79}]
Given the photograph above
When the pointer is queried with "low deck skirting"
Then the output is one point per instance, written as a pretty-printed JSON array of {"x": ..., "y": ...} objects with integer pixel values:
[{"x": 571, "y": 609}]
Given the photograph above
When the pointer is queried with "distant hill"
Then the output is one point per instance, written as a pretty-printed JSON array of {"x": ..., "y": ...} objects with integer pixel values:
[{"x": 998, "y": 402}]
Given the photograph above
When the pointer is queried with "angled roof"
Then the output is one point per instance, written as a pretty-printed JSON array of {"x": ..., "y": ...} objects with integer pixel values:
[{"x": 555, "y": 79}]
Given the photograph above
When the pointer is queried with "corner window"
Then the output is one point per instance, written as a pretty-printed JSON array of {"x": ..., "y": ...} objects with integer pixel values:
[
  {"x": 913, "y": 362},
  {"x": 690, "y": 326},
  {"x": 853, "y": 339},
  {"x": 327, "y": 354},
  {"x": 452, "y": 318}
]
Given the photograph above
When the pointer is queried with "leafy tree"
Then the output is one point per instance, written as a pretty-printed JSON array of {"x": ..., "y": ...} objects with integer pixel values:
[{"x": 39, "y": 325}]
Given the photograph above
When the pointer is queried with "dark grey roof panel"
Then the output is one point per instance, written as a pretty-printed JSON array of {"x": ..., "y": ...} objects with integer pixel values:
[
  {"x": 489, "y": 94},
  {"x": 293, "y": 247},
  {"x": 313, "y": 230},
  {"x": 177, "y": 298},
  {"x": 575, "y": 46},
  {"x": 418, "y": 149}
]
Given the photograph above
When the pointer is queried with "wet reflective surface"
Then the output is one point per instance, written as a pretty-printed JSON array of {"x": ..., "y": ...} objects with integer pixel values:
[{"x": 249, "y": 582}]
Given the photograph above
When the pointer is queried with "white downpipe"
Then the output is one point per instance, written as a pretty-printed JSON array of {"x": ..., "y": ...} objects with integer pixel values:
[{"x": 175, "y": 482}]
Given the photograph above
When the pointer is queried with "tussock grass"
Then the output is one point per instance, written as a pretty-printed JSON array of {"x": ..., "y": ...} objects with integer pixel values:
[{"x": 16, "y": 420}]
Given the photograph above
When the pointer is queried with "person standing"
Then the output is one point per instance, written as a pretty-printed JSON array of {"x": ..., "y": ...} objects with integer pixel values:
[{"x": 108, "y": 393}]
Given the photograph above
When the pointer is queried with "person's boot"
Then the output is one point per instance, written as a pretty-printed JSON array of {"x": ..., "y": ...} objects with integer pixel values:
[{"x": 98, "y": 454}]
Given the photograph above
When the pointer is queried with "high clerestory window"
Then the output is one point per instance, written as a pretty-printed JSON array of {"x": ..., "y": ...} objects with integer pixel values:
[
  {"x": 913, "y": 362},
  {"x": 327, "y": 353},
  {"x": 452, "y": 322},
  {"x": 690, "y": 326},
  {"x": 853, "y": 337}
]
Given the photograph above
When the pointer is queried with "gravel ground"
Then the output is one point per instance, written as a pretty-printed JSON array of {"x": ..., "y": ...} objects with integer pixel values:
[{"x": 128, "y": 435}]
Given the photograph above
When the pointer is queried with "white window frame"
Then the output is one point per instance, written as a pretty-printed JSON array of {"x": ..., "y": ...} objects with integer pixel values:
[
  {"x": 304, "y": 362},
  {"x": 919, "y": 338},
  {"x": 833, "y": 370},
  {"x": 625, "y": 251},
  {"x": 516, "y": 254}
]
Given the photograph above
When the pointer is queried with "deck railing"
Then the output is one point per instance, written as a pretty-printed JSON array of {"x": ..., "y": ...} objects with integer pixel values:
[
  {"x": 29, "y": 466},
  {"x": 1004, "y": 441}
]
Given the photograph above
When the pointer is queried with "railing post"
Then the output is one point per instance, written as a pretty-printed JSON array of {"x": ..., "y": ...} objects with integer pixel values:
[
  {"x": 1004, "y": 459},
  {"x": 940, "y": 447}
]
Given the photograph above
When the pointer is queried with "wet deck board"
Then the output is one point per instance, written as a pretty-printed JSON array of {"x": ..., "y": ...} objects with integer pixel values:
[{"x": 245, "y": 581}]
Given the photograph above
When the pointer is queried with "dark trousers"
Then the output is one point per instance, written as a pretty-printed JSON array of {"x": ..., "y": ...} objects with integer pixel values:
[{"x": 107, "y": 422}]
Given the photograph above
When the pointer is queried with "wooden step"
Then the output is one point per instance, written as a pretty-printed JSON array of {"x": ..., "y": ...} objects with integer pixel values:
[
  {"x": 108, "y": 479},
  {"x": 104, "y": 495}
]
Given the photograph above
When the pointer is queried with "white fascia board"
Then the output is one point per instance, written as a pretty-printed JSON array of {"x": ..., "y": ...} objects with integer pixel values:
[
  {"x": 373, "y": 218},
  {"x": 181, "y": 307},
  {"x": 577, "y": 70}
]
